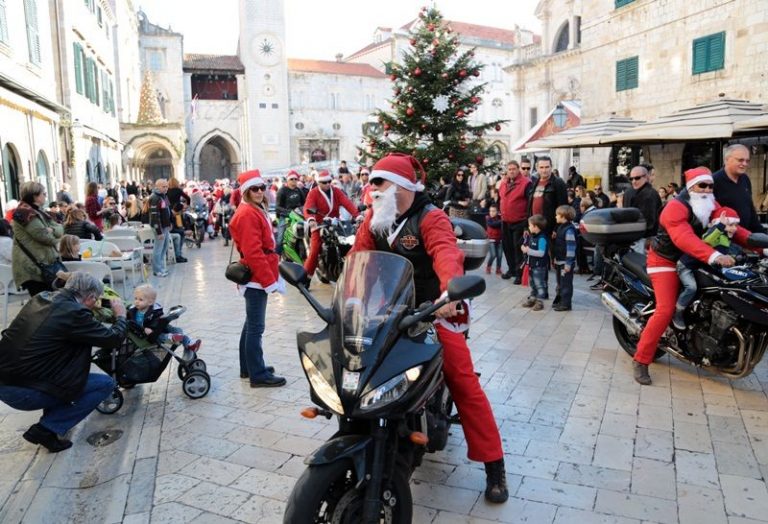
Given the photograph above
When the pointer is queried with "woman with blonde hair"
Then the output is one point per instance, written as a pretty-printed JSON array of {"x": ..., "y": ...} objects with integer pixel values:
[{"x": 133, "y": 209}]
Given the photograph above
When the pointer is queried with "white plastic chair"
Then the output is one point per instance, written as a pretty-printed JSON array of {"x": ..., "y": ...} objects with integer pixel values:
[
  {"x": 6, "y": 279},
  {"x": 98, "y": 269},
  {"x": 137, "y": 259},
  {"x": 147, "y": 238},
  {"x": 120, "y": 233}
]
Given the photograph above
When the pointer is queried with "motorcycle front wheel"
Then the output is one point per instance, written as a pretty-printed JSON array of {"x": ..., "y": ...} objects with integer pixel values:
[
  {"x": 629, "y": 342},
  {"x": 326, "y": 493}
]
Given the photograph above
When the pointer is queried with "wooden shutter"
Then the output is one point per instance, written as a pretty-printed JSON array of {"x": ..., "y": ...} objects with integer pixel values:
[
  {"x": 627, "y": 71},
  {"x": 33, "y": 35},
  {"x": 78, "y": 52},
  {"x": 699, "y": 56},
  {"x": 3, "y": 23},
  {"x": 621, "y": 3},
  {"x": 621, "y": 75},
  {"x": 716, "y": 59},
  {"x": 112, "y": 98},
  {"x": 708, "y": 53}
]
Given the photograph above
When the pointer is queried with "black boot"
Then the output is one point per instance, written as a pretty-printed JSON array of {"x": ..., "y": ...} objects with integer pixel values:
[
  {"x": 38, "y": 434},
  {"x": 496, "y": 482},
  {"x": 641, "y": 373}
]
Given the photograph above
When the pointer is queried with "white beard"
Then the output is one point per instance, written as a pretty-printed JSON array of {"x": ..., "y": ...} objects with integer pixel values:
[
  {"x": 703, "y": 204},
  {"x": 384, "y": 210}
]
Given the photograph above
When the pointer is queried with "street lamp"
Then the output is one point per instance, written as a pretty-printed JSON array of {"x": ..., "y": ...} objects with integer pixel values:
[{"x": 560, "y": 116}]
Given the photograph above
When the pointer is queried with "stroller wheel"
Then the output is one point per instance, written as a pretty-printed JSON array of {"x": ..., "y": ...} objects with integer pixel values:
[
  {"x": 112, "y": 403},
  {"x": 182, "y": 371},
  {"x": 197, "y": 384},
  {"x": 198, "y": 365}
]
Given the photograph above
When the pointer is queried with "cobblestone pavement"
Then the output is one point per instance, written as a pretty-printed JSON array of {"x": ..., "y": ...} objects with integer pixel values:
[{"x": 584, "y": 443}]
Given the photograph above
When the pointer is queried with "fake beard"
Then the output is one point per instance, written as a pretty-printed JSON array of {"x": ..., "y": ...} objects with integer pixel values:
[
  {"x": 384, "y": 210},
  {"x": 703, "y": 204}
]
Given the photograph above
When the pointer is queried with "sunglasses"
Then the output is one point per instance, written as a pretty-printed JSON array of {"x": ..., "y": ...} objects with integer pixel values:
[
  {"x": 634, "y": 178},
  {"x": 705, "y": 185},
  {"x": 323, "y": 183},
  {"x": 257, "y": 188},
  {"x": 526, "y": 168}
]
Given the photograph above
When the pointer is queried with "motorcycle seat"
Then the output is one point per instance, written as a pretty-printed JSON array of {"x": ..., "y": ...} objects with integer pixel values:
[{"x": 635, "y": 262}]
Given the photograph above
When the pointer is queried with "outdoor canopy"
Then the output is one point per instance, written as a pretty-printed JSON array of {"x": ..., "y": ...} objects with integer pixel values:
[
  {"x": 588, "y": 134},
  {"x": 759, "y": 123}
]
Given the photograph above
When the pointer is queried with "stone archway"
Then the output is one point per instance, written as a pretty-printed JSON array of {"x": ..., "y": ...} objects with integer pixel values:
[
  {"x": 217, "y": 155},
  {"x": 157, "y": 164},
  {"x": 151, "y": 157}
]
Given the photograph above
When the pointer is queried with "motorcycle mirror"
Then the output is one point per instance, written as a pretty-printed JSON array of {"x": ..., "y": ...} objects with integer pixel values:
[
  {"x": 467, "y": 286},
  {"x": 362, "y": 207},
  {"x": 292, "y": 272}
]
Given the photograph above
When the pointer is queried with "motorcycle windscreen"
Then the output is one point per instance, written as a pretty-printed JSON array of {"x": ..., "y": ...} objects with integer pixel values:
[{"x": 373, "y": 292}]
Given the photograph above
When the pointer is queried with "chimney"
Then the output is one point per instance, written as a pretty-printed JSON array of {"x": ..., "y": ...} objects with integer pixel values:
[{"x": 339, "y": 56}]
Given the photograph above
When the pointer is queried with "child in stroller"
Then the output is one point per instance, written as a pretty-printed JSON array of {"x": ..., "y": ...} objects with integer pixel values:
[{"x": 146, "y": 351}]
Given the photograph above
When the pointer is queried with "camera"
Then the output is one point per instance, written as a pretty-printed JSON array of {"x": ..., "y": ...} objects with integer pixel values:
[{"x": 105, "y": 302}]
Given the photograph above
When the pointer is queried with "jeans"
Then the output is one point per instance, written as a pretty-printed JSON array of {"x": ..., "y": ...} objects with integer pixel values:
[
  {"x": 160, "y": 250},
  {"x": 539, "y": 277},
  {"x": 564, "y": 285},
  {"x": 177, "y": 236},
  {"x": 512, "y": 241},
  {"x": 597, "y": 260},
  {"x": 282, "y": 223},
  {"x": 688, "y": 283},
  {"x": 251, "y": 352},
  {"x": 59, "y": 415},
  {"x": 172, "y": 330},
  {"x": 494, "y": 253}
]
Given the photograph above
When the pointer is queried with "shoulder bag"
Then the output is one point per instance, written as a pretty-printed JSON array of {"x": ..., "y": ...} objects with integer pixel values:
[
  {"x": 236, "y": 271},
  {"x": 48, "y": 271}
]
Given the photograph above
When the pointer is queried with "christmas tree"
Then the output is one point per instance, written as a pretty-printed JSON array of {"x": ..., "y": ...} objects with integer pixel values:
[
  {"x": 149, "y": 107},
  {"x": 436, "y": 91}
]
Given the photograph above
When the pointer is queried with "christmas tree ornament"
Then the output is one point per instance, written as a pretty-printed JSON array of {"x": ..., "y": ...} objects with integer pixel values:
[
  {"x": 479, "y": 159},
  {"x": 444, "y": 75},
  {"x": 475, "y": 100},
  {"x": 498, "y": 127},
  {"x": 463, "y": 73},
  {"x": 393, "y": 77},
  {"x": 476, "y": 72},
  {"x": 409, "y": 111},
  {"x": 431, "y": 27},
  {"x": 386, "y": 127},
  {"x": 460, "y": 113},
  {"x": 451, "y": 156},
  {"x": 440, "y": 103},
  {"x": 413, "y": 41},
  {"x": 417, "y": 71}
]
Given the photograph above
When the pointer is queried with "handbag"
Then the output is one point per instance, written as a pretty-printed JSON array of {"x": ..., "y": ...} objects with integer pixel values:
[
  {"x": 236, "y": 271},
  {"x": 47, "y": 271}
]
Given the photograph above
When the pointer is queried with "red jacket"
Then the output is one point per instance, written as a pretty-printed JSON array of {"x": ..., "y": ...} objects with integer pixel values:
[
  {"x": 319, "y": 203},
  {"x": 514, "y": 199},
  {"x": 439, "y": 241},
  {"x": 251, "y": 231}
]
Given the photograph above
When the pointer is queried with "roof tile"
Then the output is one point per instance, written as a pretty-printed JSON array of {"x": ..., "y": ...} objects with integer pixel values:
[{"x": 331, "y": 67}]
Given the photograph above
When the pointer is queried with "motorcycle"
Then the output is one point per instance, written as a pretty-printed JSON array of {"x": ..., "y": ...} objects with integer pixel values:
[
  {"x": 338, "y": 237},
  {"x": 199, "y": 220},
  {"x": 726, "y": 328},
  {"x": 226, "y": 212},
  {"x": 295, "y": 238},
  {"x": 376, "y": 367}
]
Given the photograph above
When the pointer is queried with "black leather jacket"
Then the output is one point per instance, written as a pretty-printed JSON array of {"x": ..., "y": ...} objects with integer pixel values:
[{"x": 48, "y": 345}]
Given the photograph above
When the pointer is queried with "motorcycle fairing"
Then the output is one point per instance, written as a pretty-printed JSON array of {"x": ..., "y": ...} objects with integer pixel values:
[{"x": 340, "y": 447}]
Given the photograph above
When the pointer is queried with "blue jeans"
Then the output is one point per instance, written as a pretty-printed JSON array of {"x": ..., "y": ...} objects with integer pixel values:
[
  {"x": 172, "y": 330},
  {"x": 688, "y": 286},
  {"x": 176, "y": 236},
  {"x": 494, "y": 253},
  {"x": 282, "y": 223},
  {"x": 564, "y": 285},
  {"x": 160, "y": 250},
  {"x": 59, "y": 415},
  {"x": 251, "y": 352},
  {"x": 539, "y": 277}
]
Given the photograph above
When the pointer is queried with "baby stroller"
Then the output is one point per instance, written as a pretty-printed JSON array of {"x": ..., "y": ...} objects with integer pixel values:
[{"x": 140, "y": 361}]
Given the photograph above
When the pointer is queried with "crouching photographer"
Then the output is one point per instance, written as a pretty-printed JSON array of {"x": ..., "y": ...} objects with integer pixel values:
[{"x": 45, "y": 358}]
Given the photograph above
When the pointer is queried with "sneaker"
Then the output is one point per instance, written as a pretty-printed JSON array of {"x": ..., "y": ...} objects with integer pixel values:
[
  {"x": 538, "y": 306},
  {"x": 496, "y": 482},
  {"x": 677, "y": 319},
  {"x": 641, "y": 373},
  {"x": 162, "y": 274},
  {"x": 529, "y": 302},
  {"x": 38, "y": 434},
  {"x": 487, "y": 270},
  {"x": 597, "y": 286},
  {"x": 498, "y": 271},
  {"x": 194, "y": 346}
]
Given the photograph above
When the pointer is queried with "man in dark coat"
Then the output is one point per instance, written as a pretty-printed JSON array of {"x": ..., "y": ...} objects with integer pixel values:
[
  {"x": 647, "y": 200},
  {"x": 546, "y": 193},
  {"x": 734, "y": 189}
]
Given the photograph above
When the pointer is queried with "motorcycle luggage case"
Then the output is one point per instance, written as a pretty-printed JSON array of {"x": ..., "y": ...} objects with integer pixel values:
[
  {"x": 613, "y": 226},
  {"x": 472, "y": 240}
]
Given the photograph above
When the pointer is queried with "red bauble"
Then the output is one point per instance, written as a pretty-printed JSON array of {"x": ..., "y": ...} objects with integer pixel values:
[
  {"x": 476, "y": 72},
  {"x": 409, "y": 111},
  {"x": 463, "y": 73},
  {"x": 475, "y": 100},
  {"x": 498, "y": 127},
  {"x": 431, "y": 27},
  {"x": 410, "y": 89},
  {"x": 386, "y": 127},
  {"x": 393, "y": 77},
  {"x": 444, "y": 75},
  {"x": 435, "y": 42},
  {"x": 413, "y": 41},
  {"x": 451, "y": 156},
  {"x": 460, "y": 113},
  {"x": 462, "y": 146},
  {"x": 417, "y": 72},
  {"x": 425, "y": 161},
  {"x": 479, "y": 159}
]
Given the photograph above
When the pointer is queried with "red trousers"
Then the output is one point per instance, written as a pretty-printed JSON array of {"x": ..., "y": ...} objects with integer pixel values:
[
  {"x": 310, "y": 264},
  {"x": 477, "y": 421},
  {"x": 666, "y": 286}
]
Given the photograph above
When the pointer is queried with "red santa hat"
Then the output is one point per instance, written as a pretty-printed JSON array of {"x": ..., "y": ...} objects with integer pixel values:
[
  {"x": 247, "y": 179},
  {"x": 324, "y": 176},
  {"x": 697, "y": 175},
  {"x": 725, "y": 215},
  {"x": 292, "y": 175},
  {"x": 399, "y": 169}
]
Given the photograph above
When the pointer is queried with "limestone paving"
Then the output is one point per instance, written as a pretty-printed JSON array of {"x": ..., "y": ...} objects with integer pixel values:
[{"x": 584, "y": 443}]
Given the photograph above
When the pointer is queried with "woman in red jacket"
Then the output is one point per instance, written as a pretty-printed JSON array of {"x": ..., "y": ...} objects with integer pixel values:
[
  {"x": 92, "y": 207},
  {"x": 251, "y": 230}
]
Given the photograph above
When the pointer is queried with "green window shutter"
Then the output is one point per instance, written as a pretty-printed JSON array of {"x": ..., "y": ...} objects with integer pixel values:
[
  {"x": 627, "y": 72},
  {"x": 621, "y": 73},
  {"x": 78, "y": 52},
  {"x": 112, "y": 98},
  {"x": 708, "y": 53},
  {"x": 3, "y": 23},
  {"x": 96, "y": 81},
  {"x": 632, "y": 72},
  {"x": 622, "y": 3},
  {"x": 33, "y": 35},
  {"x": 88, "y": 85}
]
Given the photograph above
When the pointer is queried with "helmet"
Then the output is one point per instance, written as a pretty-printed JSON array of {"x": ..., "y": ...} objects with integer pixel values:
[{"x": 472, "y": 240}]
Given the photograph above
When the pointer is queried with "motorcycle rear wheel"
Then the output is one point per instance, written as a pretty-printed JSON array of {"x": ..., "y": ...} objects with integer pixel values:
[
  {"x": 629, "y": 342},
  {"x": 326, "y": 493}
]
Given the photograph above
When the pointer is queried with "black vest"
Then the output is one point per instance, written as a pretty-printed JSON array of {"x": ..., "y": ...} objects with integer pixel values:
[
  {"x": 561, "y": 245},
  {"x": 410, "y": 244},
  {"x": 662, "y": 243}
]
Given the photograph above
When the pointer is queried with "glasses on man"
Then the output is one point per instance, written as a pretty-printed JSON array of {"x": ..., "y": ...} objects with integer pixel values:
[
  {"x": 324, "y": 183},
  {"x": 636, "y": 178},
  {"x": 525, "y": 168},
  {"x": 705, "y": 185},
  {"x": 257, "y": 189}
]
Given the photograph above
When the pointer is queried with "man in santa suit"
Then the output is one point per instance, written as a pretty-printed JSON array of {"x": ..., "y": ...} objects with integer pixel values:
[
  {"x": 403, "y": 221},
  {"x": 323, "y": 201},
  {"x": 681, "y": 225}
]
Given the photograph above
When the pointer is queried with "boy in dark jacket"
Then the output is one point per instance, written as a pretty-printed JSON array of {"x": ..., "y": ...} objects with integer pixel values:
[
  {"x": 493, "y": 230},
  {"x": 143, "y": 319},
  {"x": 537, "y": 249},
  {"x": 565, "y": 257}
]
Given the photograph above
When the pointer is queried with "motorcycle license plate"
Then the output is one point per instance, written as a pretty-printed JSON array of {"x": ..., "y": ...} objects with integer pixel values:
[{"x": 350, "y": 380}]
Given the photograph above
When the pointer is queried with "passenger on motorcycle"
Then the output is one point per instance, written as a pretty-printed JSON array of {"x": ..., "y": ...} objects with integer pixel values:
[
  {"x": 289, "y": 197},
  {"x": 325, "y": 201},
  {"x": 403, "y": 221},
  {"x": 681, "y": 225}
]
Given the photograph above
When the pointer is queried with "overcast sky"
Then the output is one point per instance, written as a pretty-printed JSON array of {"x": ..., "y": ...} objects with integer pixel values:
[{"x": 336, "y": 26}]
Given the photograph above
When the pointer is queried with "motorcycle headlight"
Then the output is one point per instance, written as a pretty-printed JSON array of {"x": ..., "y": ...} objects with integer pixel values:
[
  {"x": 390, "y": 390},
  {"x": 324, "y": 390}
]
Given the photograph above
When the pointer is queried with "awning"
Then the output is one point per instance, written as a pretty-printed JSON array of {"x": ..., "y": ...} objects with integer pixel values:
[
  {"x": 588, "y": 134},
  {"x": 759, "y": 123},
  {"x": 707, "y": 121},
  {"x": 546, "y": 126}
]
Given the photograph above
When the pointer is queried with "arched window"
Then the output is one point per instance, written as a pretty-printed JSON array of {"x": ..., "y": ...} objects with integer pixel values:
[
  {"x": 41, "y": 166},
  {"x": 562, "y": 38},
  {"x": 11, "y": 172}
]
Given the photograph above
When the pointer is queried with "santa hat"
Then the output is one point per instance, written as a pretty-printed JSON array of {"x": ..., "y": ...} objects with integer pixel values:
[
  {"x": 696, "y": 175},
  {"x": 725, "y": 215},
  {"x": 399, "y": 169},
  {"x": 247, "y": 179},
  {"x": 324, "y": 176},
  {"x": 292, "y": 175}
]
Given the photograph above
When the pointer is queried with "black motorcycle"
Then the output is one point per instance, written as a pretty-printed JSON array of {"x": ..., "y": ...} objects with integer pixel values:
[
  {"x": 338, "y": 237},
  {"x": 225, "y": 216},
  {"x": 198, "y": 217},
  {"x": 377, "y": 367},
  {"x": 726, "y": 328}
]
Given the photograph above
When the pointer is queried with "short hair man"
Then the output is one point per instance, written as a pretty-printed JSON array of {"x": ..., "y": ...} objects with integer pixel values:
[
  {"x": 513, "y": 198},
  {"x": 547, "y": 193},
  {"x": 647, "y": 200},
  {"x": 45, "y": 358},
  {"x": 734, "y": 189}
]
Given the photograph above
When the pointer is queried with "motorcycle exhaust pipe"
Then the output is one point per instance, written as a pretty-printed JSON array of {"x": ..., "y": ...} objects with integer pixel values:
[{"x": 618, "y": 310}]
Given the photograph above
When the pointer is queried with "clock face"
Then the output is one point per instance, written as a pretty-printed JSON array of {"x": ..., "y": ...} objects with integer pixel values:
[{"x": 266, "y": 49}]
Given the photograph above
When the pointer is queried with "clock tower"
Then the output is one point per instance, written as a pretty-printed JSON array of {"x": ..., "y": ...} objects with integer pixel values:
[{"x": 262, "y": 52}]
